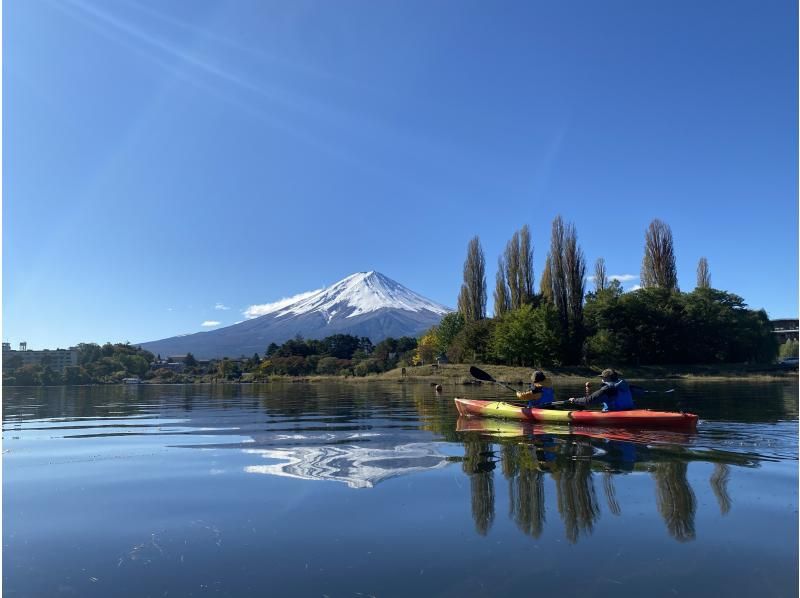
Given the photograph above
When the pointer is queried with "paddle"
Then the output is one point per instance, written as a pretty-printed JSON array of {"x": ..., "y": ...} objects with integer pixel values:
[{"x": 486, "y": 377}]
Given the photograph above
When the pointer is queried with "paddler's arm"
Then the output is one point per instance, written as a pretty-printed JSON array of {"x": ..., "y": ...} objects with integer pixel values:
[
  {"x": 529, "y": 395},
  {"x": 592, "y": 398}
]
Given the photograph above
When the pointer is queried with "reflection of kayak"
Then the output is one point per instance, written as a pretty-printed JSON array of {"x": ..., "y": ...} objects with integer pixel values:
[
  {"x": 633, "y": 418},
  {"x": 509, "y": 429}
]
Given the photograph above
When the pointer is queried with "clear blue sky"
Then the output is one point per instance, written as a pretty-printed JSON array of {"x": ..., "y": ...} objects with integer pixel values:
[{"x": 164, "y": 159}]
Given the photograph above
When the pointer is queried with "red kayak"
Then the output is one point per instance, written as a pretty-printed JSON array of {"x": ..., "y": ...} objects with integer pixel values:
[{"x": 642, "y": 418}]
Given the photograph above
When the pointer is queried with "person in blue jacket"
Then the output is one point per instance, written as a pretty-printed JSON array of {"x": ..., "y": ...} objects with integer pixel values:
[
  {"x": 540, "y": 392},
  {"x": 614, "y": 394}
]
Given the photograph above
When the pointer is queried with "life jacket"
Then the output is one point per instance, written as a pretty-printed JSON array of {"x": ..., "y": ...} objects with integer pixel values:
[
  {"x": 547, "y": 395},
  {"x": 620, "y": 397}
]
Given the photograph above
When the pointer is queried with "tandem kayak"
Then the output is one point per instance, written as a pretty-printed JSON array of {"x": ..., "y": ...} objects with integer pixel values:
[{"x": 634, "y": 417}]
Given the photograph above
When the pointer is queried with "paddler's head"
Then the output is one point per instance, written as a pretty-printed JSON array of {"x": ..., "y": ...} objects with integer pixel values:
[
  {"x": 609, "y": 375},
  {"x": 537, "y": 376}
]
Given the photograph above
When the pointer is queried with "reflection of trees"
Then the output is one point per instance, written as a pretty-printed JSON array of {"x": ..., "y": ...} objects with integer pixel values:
[
  {"x": 479, "y": 465},
  {"x": 577, "y": 501},
  {"x": 611, "y": 494},
  {"x": 525, "y": 487},
  {"x": 676, "y": 501},
  {"x": 719, "y": 485}
]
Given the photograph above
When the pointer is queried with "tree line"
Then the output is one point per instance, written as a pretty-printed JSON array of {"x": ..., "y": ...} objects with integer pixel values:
[
  {"x": 339, "y": 354},
  {"x": 563, "y": 324}
]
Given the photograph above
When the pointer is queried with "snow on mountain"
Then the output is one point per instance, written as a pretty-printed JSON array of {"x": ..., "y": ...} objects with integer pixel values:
[
  {"x": 363, "y": 304},
  {"x": 359, "y": 293}
]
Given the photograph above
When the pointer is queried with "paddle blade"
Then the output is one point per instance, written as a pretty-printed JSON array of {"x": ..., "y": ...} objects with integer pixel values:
[{"x": 480, "y": 374}]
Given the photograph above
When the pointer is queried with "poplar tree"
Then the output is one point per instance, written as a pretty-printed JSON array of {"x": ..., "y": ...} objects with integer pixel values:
[
  {"x": 600, "y": 277},
  {"x": 575, "y": 271},
  {"x": 558, "y": 277},
  {"x": 526, "y": 265},
  {"x": 658, "y": 264},
  {"x": 517, "y": 263},
  {"x": 566, "y": 270},
  {"x": 472, "y": 298},
  {"x": 512, "y": 269},
  {"x": 703, "y": 275},
  {"x": 501, "y": 299},
  {"x": 546, "y": 283}
]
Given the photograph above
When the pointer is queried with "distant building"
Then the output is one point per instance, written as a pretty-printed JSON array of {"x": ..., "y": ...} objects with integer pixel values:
[
  {"x": 785, "y": 329},
  {"x": 167, "y": 364},
  {"x": 56, "y": 359}
]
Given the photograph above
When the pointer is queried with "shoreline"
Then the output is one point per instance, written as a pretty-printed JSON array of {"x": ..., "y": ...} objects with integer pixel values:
[{"x": 458, "y": 374}]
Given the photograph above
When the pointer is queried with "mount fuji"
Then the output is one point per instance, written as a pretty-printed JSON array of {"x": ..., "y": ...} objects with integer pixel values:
[{"x": 363, "y": 304}]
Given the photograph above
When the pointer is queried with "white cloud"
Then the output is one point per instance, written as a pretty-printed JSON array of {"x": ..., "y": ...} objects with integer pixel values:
[
  {"x": 635, "y": 287},
  {"x": 209, "y": 323},
  {"x": 623, "y": 277},
  {"x": 221, "y": 307},
  {"x": 255, "y": 311}
]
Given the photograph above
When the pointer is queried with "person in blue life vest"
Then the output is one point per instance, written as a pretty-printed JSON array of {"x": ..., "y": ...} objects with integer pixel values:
[
  {"x": 540, "y": 393},
  {"x": 613, "y": 395}
]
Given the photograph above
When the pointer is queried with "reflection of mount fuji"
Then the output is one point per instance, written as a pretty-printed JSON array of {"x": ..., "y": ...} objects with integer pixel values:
[{"x": 356, "y": 466}]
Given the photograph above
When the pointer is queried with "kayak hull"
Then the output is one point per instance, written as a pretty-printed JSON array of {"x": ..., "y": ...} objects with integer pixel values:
[{"x": 632, "y": 418}]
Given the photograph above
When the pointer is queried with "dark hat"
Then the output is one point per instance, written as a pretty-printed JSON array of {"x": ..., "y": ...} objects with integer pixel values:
[
  {"x": 537, "y": 376},
  {"x": 609, "y": 374}
]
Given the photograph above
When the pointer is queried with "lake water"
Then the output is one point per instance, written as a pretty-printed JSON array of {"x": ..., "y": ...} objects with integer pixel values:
[{"x": 380, "y": 489}]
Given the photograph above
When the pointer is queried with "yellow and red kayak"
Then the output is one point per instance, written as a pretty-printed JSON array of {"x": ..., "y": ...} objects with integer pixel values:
[{"x": 634, "y": 417}]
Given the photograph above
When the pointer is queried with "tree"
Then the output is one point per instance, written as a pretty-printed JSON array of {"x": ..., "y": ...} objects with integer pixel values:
[
  {"x": 566, "y": 270},
  {"x": 788, "y": 349},
  {"x": 501, "y": 293},
  {"x": 272, "y": 349},
  {"x": 189, "y": 361},
  {"x": 575, "y": 271},
  {"x": 546, "y": 283},
  {"x": 517, "y": 268},
  {"x": 658, "y": 264},
  {"x": 473, "y": 343},
  {"x": 703, "y": 275},
  {"x": 600, "y": 278},
  {"x": 525, "y": 265},
  {"x": 427, "y": 347},
  {"x": 526, "y": 336},
  {"x": 472, "y": 299},
  {"x": 450, "y": 325}
]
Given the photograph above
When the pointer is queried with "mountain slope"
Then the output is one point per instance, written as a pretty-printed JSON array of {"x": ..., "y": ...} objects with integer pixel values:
[{"x": 363, "y": 304}]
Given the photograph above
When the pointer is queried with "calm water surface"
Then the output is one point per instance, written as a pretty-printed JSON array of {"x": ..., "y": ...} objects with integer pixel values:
[{"x": 380, "y": 489}]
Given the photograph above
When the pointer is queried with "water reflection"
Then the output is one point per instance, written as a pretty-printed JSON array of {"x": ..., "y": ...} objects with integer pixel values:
[
  {"x": 356, "y": 466},
  {"x": 479, "y": 465},
  {"x": 572, "y": 458}
]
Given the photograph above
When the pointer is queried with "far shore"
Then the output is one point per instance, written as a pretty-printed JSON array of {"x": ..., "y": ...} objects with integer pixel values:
[{"x": 458, "y": 374}]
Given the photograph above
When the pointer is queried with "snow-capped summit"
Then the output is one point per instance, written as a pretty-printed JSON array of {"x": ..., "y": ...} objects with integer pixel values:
[
  {"x": 357, "y": 294},
  {"x": 362, "y": 304}
]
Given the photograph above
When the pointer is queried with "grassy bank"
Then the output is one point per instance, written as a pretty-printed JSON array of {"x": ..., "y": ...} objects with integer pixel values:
[{"x": 459, "y": 374}]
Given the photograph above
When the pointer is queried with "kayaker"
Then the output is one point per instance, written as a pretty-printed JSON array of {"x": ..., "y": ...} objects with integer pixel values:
[
  {"x": 614, "y": 394},
  {"x": 540, "y": 393}
]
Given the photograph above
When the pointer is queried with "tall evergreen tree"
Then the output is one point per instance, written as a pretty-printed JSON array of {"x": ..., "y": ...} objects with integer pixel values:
[
  {"x": 472, "y": 298},
  {"x": 600, "y": 277},
  {"x": 658, "y": 264},
  {"x": 703, "y": 275},
  {"x": 501, "y": 299}
]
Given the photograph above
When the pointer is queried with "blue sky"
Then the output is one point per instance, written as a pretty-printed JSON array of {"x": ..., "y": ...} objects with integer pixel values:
[{"x": 163, "y": 160}]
